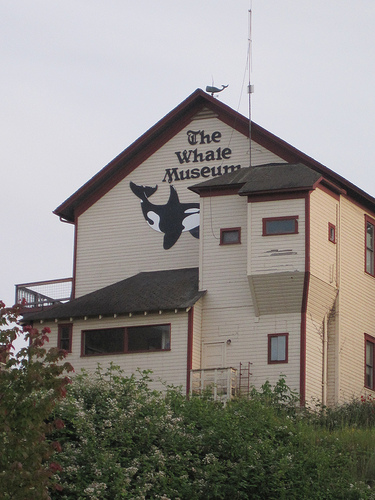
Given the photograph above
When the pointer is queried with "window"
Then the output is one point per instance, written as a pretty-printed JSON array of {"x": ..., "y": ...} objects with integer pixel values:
[
  {"x": 278, "y": 348},
  {"x": 64, "y": 337},
  {"x": 125, "y": 340},
  {"x": 331, "y": 232},
  {"x": 369, "y": 361},
  {"x": 230, "y": 236},
  {"x": 280, "y": 225},
  {"x": 369, "y": 265},
  {"x": 148, "y": 338},
  {"x": 106, "y": 341}
]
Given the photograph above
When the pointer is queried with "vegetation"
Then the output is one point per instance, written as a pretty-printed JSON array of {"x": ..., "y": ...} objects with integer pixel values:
[
  {"x": 31, "y": 382},
  {"x": 111, "y": 437},
  {"x": 122, "y": 440}
]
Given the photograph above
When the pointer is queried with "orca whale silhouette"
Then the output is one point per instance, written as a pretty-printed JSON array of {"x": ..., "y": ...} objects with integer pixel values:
[{"x": 172, "y": 219}]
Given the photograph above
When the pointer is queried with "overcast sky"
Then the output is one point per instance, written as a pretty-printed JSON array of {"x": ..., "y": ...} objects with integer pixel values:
[{"x": 82, "y": 79}]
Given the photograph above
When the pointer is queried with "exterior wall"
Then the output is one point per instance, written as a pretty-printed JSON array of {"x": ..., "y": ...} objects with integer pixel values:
[
  {"x": 356, "y": 302},
  {"x": 169, "y": 366},
  {"x": 223, "y": 267},
  {"x": 197, "y": 336},
  {"x": 332, "y": 358},
  {"x": 277, "y": 253},
  {"x": 114, "y": 240},
  {"x": 249, "y": 342},
  {"x": 314, "y": 361},
  {"x": 324, "y": 209},
  {"x": 228, "y": 312},
  {"x": 276, "y": 264}
]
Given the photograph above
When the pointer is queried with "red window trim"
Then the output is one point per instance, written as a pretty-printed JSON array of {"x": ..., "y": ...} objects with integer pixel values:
[
  {"x": 228, "y": 229},
  {"x": 372, "y": 222},
  {"x": 270, "y": 337},
  {"x": 124, "y": 328},
  {"x": 369, "y": 338},
  {"x": 330, "y": 227},
  {"x": 271, "y": 219},
  {"x": 70, "y": 325}
]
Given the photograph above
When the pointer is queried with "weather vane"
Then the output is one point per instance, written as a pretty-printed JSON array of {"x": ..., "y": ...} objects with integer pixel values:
[{"x": 215, "y": 90}]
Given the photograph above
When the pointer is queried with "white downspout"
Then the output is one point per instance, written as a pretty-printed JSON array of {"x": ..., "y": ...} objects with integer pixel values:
[
  {"x": 325, "y": 361},
  {"x": 337, "y": 305}
]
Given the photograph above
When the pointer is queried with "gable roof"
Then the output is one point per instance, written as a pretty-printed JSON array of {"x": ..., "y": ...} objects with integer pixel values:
[
  {"x": 144, "y": 292},
  {"x": 263, "y": 179},
  {"x": 168, "y": 127}
]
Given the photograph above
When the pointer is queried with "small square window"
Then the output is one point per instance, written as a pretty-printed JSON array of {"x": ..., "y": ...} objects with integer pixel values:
[
  {"x": 331, "y": 233},
  {"x": 273, "y": 226},
  {"x": 278, "y": 348},
  {"x": 230, "y": 236},
  {"x": 369, "y": 362},
  {"x": 64, "y": 337}
]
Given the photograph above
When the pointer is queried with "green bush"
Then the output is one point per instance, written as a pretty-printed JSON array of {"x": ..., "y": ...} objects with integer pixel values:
[
  {"x": 122, "y": 440},
  {"x": 31, "y": 382}
]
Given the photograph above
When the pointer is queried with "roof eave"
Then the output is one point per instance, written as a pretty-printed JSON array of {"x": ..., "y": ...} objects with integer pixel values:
[
  {"x": 166, "y": 128},
  {"x": 57, "y": 318},
  {"x": 160, "y": 133}
]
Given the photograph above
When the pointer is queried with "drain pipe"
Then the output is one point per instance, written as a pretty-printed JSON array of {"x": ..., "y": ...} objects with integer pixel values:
[{"x": 325, "y": 359}]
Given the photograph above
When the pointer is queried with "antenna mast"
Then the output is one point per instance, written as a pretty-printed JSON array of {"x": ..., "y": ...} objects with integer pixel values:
[{"x": 250, "y": 89}]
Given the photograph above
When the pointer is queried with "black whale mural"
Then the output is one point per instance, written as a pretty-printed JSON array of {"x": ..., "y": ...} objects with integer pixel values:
[{"x": 172, "y": 219}]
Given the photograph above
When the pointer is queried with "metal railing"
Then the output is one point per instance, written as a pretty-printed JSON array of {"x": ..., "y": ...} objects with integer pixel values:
[
  {"x": 41, "y": 294},
  {"x": 221, "y": 382}
]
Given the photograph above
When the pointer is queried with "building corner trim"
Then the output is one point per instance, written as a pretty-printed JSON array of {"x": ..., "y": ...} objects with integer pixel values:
[
  {"x": 189, "y": 361},
  {"x": 302, "y": 383}
]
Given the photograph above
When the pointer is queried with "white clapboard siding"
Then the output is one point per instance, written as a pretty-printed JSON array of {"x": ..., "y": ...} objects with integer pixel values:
[
  {"x": 323, "y": 253},
  {"x": 314, "y": 361},
  {"x": 356, "y": 299},
  {"x": 167, "y": 366},
  {"x": 113, "y": 239},
  {"x": 246, "y": 340},
  {"x": 277, "y": 293},
  {"x": 320, "y": 313},
  {"x": 197, "y": 336},
  {"x": 322, "y": 297},
  {"x": 276, "y": 264},
  {"x": 278, "y": 253},
  {"x": 332, "y": 369},
  {"x": 228, "y": 313},
  {"x": 223, "y": 267}
]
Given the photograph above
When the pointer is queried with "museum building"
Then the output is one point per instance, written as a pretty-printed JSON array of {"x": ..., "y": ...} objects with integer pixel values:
[{"x": 215, "y": 264}]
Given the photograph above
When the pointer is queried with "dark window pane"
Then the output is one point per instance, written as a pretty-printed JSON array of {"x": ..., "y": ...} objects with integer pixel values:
[
  {"x": 230, "y": 236},
  {"x": 148, "y": 338},
  {"x": 369, "y": 364},
  {"x": 65, "y": 332},
  {"x": 370, "y": 248},
  {"x": 281, "y": 226},
  {"x": 332, "y": 236},
  {"x": 110, "y": 340}
]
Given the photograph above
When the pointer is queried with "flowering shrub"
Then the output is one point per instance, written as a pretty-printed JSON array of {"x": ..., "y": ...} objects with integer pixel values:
[
  {"x": 31, "y": 382},
  {"x": 358, "y": 413},
  {"x": 123, "y": 441}
]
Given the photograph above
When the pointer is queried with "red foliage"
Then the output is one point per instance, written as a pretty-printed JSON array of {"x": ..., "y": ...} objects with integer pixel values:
[
  {"x": 55, "y": 467},
  {"x": 31, "y": 383}
]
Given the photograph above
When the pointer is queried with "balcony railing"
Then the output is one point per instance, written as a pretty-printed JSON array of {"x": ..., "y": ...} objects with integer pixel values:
[
  {"x": 220, "y": 382},
  {"x": 41, "y": 294}
]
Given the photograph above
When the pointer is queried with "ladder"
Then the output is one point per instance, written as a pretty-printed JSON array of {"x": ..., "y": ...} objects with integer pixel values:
[{"x": 244, "y": 379}]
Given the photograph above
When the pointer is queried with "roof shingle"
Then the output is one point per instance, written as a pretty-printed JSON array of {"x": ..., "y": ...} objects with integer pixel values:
[
  {"x": 263, "y": 179},
  {"x": 147, "y": 291}
]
